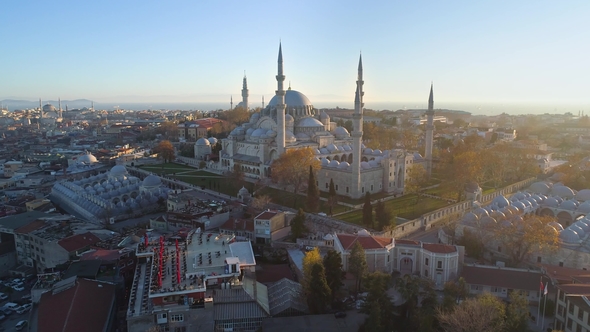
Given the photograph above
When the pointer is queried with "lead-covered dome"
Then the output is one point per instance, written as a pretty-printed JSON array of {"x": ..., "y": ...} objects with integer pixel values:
[
  {"x": 562, "y": 191},
  {"x": 583, "y": 195},
  {"x": 87, "y": 158},
  {"x": 500, "y": 201},
  {"x": 569, "y": 236},
  {"x": 293, "y": 98},
  {"x": 341, "y": 132},
  {"x": 203, "y": 141},
  {"x": 118, "y": 170},
  {"x": 310, "y": 122},
  {"x": 151, "y": 181},
  {"x": 540, "y": 188}
]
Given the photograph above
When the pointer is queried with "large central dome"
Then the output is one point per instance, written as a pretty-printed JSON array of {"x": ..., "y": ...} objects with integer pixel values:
[{"x": 293, "y": 99}]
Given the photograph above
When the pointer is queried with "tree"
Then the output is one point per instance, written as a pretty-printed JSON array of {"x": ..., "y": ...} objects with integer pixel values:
[
  {"x": 485, "y": 313},
  {"x": 165, "y": 150},
  {"x": 377, "y": 304},
  {"x": 473, "y": 244},
  {"x": 520, "y": 239},
  {"x": 318, "y": 296},
  {"x": 368, "y": 211},
  {"x": 415, "y": 180},
  {"x": 517, "y": 313},
  {"x": 313, "y": 193},
  {"x": 383, "y": 215},
  {"x": 168, "y": 130},
  {"x": 298, "y": 225},
  {"x": 260, "y": 202},
  {"x": 332, "y": 197},
  {"x": 237, "y": 177},
  {"x": 357, "y": 263},
  {"x": 291, "y": 168},
  {"x": 334, "y": 272},
  {"x": 453, "y": 293}
]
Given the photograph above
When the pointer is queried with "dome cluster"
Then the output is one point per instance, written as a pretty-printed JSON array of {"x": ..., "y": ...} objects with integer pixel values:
[{"x": 113, "y": 193}]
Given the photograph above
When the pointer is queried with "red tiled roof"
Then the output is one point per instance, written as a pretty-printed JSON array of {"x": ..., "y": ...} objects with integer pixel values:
[
  {"x": 575, "y": 289},
  {"x": 78, "y": 242},
  {"x": 268, "y": 273},
  {"x": 238, "y": 224},
  {"x": 101, "y": 254},
  {"x": 439, "y": 248},
  {"x": 84, "y": 307},
  {"x": 498, "y": 277},
  {"x": 367, "y": 242},
  {"x": 562, "y": 274},
  {"x": 266, "y": 215},
  {"x": 410, "y": 242},
  {"x": 35, "y": 225}
]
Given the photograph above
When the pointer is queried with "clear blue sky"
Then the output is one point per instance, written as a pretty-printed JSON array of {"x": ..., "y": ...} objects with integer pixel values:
[{"x": 197, "y": 51}]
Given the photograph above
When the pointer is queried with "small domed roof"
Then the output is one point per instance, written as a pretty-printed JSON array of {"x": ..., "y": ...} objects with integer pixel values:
[
  {"x": 540, "y": 188},
  {"x": 243, "y": 191},
  {"x": 249, "y": 131},
  {"x": 289, "y": 137},
  {"x": 346, "y": 147},
  {"x": 202, "y": 141},
  {"x": 259, "y": 132},
  {"x": 583, "y": 195},
  {"x": 344, "y": 165},
  {"x": 332, "y": 148},
  {"x": 481, "y": 212},
  {"x": 373, "y": 163},
  {"x": 469, "y": 218},
  {"x": 324, "y": 151},
  {"x": 505, "y": 223},
  {"x": 487, "y": 221},
  {"x": 271, "y": 133},
  {"x": 334, "y": 163},
  {"x": 289, "y": 118},
  {"x": 584, "y": 224},
  {"x": 365, "y": 165},
  {"x": 87, "y": 158},
  {"x": 498, "y": 215},
  {"x": 368, "y": 151},
  {"x": 328, "y": 237},
  {"x": 118, "y": 170},
  {"x": 309, "y": 122},
  {"x": 325, "y": 162},
  {"x": 324, "y": 116},
  {"x": 552, "y": 228},
  {"x": 551, "y": 202},
  {"x": 254, "y": 117},
  {"x": 152, "y": 181},
  {"x": 568, "y": 205},
  {"x": 501, "y": 201},
  {"x": 569, "y": 236},
  {"x": 212, "y": 140},
  {"x": 562, "y": 191}
]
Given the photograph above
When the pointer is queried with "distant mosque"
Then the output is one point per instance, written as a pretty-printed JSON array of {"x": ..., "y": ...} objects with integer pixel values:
[{"x": 290, "y": 121}]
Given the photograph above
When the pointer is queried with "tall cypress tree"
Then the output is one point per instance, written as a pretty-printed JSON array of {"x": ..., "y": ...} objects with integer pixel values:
[
  {"x": 332, "y": 196},
  {"x": 313, "y": 193},
  {"x": 368, "y": 211}
]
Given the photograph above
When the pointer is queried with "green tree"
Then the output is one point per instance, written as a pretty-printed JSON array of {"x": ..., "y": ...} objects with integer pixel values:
[
  {"x": 310, "y": 259},
  {"x": 313, "y": 193},
  {"x": 485, "y": 313},
  {"x": 357, "y": 263},
  {"x": 383, "y": 215},
  {"x": 517, "y": 313},
  {"x": 454, "y": 292},
  {"x": 377, "y": 305},
  {"x": 332, "y": 197},
  {"x": 368, "y": 211},
  {"x": 298, "y": 225},
  {"x": 319, "y": 296},
  {"x": 334, "y": 272}
]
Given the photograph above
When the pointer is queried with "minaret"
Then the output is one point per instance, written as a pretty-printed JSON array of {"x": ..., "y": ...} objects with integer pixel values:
[
  {"x": 262, "y": 101},
  {"x": 429, "y": 132},
  {"x": 41, "y": 108},
  {"x": 231, "y": 103},
  {"x": 92, "y": 106},
  {"x": 59, "y": 104},
  {"x": 357, "y": 134},
  {"x": 245, "y": 92},
  {"x": 280, "y": 107}
]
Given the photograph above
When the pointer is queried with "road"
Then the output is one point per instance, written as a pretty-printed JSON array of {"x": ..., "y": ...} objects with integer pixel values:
[{"x": 429, "y": 236}]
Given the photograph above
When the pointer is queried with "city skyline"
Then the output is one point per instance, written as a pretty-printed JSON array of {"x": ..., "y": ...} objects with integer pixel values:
[{"x": 528, "y": 53}]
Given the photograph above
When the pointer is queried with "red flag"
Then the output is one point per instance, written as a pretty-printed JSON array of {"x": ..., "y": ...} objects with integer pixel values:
[{"x": 541, "y": 290}]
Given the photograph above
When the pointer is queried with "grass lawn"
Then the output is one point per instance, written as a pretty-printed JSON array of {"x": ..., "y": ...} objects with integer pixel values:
[
  {"x": 167, "y": 168},
  {"x": 291, "y": 200},
  {"x": 214, "y": 182},
  {"x": 403, "y": 207}
]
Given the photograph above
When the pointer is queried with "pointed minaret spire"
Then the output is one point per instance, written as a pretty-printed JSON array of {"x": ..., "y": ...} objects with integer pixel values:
[
  {"x": 231, "y": 102},
  {"x": 41, "y": 108},
  {"x": 245, "y": 93},
  {"x": 280, "y": 106},
  {"x": 357, "y": 189},
  {"x": 431, "y": 99},
  {"x": 262, "y": 101}
]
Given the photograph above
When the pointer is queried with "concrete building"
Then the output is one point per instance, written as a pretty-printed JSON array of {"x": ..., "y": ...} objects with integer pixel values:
[
  {"x": 572, "y": 313},
  {"x": 272, "y": 225}
]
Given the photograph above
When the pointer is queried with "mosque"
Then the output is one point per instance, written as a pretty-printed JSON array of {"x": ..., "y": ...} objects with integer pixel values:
[
  {"x": 112, "y": 195},
  {"x": 570, "y": 208},
  {"x": 290, "y": 121}
]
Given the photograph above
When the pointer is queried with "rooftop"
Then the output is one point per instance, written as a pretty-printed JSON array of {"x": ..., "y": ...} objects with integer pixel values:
[
  {"x": 19, "y": 220},
  {"x": 78, "y": 242},
  {"x": 439, "y": 248},
  {"x": 501, "y": 277},
  {"x": 368, "y": 242}
]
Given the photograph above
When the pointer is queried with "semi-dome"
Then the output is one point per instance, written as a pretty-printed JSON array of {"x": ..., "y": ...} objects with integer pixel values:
[
  {"x": 293, "y": 98},
  {"x": 324, "y": 116},
  {"x": 151, "y": 181},
  {"x": 500, "y": 201},
  {"x": 583, "y": 195},
  {"x": 254, "y": 117},
  {"x": 258, "y": 132},
  {"x": 249, "y": 131},
  {"x": 540, "y": 188},
  {"x": 569, "y": 236},
  {"x": 341, "y": 132},
  {"x": 118, "y": 170},
  {"x": 556, "y": 225},
  {"x": 310, "y": 122}
]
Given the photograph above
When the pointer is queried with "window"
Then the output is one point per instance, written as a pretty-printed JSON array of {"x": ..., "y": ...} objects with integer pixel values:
[
  {"x": 327, "y": 185},
  {"x": 425, "y": 261},
  {"x": 495, "y": 290},
  {"x": 562, "y": 296},
  {"x": 347, "y": 190},
  {"x": 538, "y": 259},
  {"x": 439, "y": 264},
  {"x": 569, "y": 324},
  {"x": 580, "y": 314},
  {"x": 560, "y": 310},
  {"x": 474, "y": 287},
  {"x": 561, "y": 264},
  {"x": 426, "y": 273},
  {"x": 177, "y": 318},
  {"x": 499, "y": 249},
  {"x": 578, "y": 327},
  {"x": 570, "y": 309},
  {"x": 336, "y": 187}
]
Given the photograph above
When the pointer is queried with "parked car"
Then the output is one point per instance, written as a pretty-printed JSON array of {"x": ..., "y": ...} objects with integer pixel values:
[
  {"x": 22, "y": 309},
  {"x": 5, "y": 311},
  {"x": 26, "y": 298},
  {"x": 27, "y": 306},
  {"x": 18, "y": 288},
  {"x": 21, "y": 325}
]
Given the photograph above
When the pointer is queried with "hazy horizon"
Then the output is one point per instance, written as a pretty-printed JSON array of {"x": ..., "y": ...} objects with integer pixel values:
[{"x": 480, "y": 52}]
